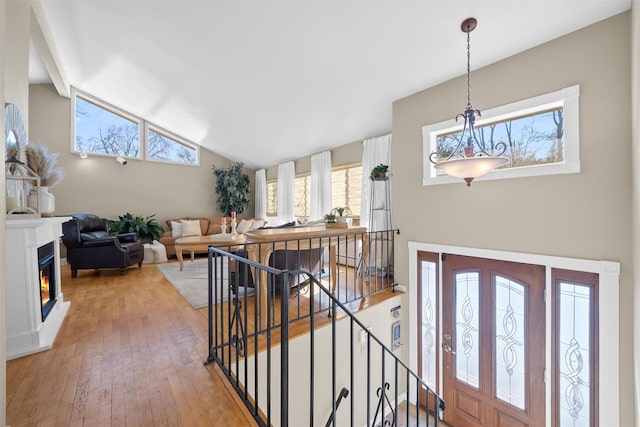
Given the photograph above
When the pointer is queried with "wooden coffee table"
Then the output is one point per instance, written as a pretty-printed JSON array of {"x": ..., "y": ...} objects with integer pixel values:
[{"x": 201, "y": 244}]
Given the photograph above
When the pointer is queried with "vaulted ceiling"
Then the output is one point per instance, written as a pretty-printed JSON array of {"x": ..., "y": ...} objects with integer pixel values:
[{"x": 268, "y": 81}]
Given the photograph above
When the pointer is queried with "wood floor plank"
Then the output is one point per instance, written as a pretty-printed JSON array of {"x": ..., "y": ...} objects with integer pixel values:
[{"x": 130, "y": 353}]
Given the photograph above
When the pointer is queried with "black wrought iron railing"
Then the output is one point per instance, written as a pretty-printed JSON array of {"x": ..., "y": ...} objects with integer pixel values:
[
  {"x": 302, "y": 381},
  {"x": 344, "y": 392}
]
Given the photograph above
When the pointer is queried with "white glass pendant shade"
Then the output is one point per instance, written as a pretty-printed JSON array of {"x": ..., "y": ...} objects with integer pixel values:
[{"x": 469, "y": 168}]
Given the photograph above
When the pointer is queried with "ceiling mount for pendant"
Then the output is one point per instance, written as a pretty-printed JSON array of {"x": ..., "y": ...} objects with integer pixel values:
[{"x": 468, "y": 25}]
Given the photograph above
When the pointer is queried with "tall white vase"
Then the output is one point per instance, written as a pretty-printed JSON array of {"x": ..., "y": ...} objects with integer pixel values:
[{"x": 47, "y": 201}]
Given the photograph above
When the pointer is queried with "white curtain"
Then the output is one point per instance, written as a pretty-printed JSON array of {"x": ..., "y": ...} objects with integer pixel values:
[
  {"x": 376, "y": 150},
  {"x": 320, "y": 185},
  {"x": 261, "y": 194},
  {"x": 286, "y": 192}
]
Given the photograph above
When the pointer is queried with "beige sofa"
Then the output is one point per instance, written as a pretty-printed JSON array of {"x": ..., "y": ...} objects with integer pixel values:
[{"x": 208, "y": 226}]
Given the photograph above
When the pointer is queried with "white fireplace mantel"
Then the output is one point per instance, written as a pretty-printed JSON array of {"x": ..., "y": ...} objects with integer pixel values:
[{"x": 26, "y": 333}]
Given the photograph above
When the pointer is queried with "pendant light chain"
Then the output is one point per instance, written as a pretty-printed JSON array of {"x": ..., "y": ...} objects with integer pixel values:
[{"x": 469, "y": 106}]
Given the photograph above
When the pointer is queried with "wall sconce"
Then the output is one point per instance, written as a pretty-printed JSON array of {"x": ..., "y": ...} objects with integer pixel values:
[
  {"x": 83, "y": 154},
  {"x": 121, "y": 160}
]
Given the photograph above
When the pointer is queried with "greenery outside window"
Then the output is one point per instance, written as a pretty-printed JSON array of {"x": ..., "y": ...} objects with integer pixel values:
[
  {"x": 103, "y": 129},
  {"x": 541, "y": 135}
]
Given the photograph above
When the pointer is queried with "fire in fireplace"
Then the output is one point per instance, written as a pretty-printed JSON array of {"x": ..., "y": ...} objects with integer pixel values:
[{"x": 46, "y": 265}]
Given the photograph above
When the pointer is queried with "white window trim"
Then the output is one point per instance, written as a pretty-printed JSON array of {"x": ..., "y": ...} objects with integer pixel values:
[
  {"x": 111, "y": 108},
  {"x": 143, "y": 129},
  {"x": 567, "y": 98},
  {"x": 180, "y": 140},
  {"x": 609, "y": 309}
]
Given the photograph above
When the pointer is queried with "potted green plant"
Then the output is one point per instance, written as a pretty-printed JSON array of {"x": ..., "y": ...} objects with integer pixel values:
[
  {"x": 330, "y": 218},
  {"x": 232, "y": 186},
  {"x": 147, "y": 228},
  {"x": 380, "y": 171},
  {"x": 339, "y": 212}
]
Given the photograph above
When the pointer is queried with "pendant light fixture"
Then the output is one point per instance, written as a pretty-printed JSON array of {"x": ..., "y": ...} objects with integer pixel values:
[{"x": 470, "y": 159}]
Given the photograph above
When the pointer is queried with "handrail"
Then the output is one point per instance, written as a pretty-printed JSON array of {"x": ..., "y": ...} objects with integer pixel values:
[
  {"x": 239, "y": 349},
  {"x": 343, "y": 393},
  {"x": 440, "y": 404}
]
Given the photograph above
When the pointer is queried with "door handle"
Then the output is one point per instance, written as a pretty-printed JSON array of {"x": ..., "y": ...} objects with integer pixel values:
[{"x": 447, "y": 349}]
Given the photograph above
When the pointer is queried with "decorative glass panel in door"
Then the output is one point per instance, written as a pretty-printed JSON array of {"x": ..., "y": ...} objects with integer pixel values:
[
  {"x": 575, "y": 351},
  {"x": 493, "y": 342},
  {"x": 510, "y": 341},
  {"x": 467, "y": 328}
]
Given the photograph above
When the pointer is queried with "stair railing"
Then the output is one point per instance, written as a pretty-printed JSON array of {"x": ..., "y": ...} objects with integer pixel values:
[{"x": 257, "y": 361}]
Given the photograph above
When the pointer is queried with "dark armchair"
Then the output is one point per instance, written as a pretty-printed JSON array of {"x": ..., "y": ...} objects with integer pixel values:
[{"x": 89, "y": 245}]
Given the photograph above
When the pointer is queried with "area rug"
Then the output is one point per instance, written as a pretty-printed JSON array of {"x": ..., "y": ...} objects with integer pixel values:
[{"x": 192, "y": 281}]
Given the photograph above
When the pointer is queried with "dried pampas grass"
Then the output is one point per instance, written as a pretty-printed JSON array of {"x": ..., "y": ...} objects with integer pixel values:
[{"x": 42, "y": 163}]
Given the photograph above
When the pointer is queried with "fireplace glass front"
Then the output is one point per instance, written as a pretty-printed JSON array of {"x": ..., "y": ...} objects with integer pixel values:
[{"x": 46, "y": 265}]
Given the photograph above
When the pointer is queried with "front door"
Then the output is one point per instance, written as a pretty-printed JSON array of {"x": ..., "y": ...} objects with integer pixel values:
[{"x": 493, "y": 342}]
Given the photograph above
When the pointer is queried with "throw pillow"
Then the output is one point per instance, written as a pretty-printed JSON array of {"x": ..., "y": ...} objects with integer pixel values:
[
  {"x": 258, "y": 223},
  {"x": 191, "y": 228},
  {"x": 176, "y": 229},
  {"x": 244, "y": 226}
]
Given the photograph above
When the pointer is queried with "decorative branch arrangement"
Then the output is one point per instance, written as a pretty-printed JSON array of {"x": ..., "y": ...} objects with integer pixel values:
[{"x": 42, "y": 163}]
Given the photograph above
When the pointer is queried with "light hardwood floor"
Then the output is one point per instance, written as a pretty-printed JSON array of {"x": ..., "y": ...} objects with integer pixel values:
[{"x": 130, "y": 353}]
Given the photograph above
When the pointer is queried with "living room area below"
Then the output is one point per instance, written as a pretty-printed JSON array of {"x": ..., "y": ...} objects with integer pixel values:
[{"x": 131, "y": 351}]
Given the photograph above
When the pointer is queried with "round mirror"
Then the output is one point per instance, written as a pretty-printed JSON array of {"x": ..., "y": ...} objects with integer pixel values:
[{"x": 15, "y": 136}]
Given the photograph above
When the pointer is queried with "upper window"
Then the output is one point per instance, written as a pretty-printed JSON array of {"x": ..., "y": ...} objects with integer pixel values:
[
  {"x": 166, "y": 147},
  {"x": 541, "y": 135},
  {"x": 101, "y": 128}
]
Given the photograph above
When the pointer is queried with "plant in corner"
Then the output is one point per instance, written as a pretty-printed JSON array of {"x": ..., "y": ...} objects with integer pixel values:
[
  {"x": 380, "y": 171},
  {"x": 147, "y": 228},
  {"x": 232, "y": 186}
]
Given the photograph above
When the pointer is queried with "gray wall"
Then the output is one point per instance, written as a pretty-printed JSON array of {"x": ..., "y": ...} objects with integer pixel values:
[
  {"x": 102, "y": 186},
  {"x": 585, "y": 215}
]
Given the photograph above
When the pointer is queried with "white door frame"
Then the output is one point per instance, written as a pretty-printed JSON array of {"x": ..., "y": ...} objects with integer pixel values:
[{"x": 609, "y": 294}]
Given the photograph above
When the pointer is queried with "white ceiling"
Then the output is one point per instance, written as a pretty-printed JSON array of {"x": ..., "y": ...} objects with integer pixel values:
[{"x": 269, "y": 81}]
